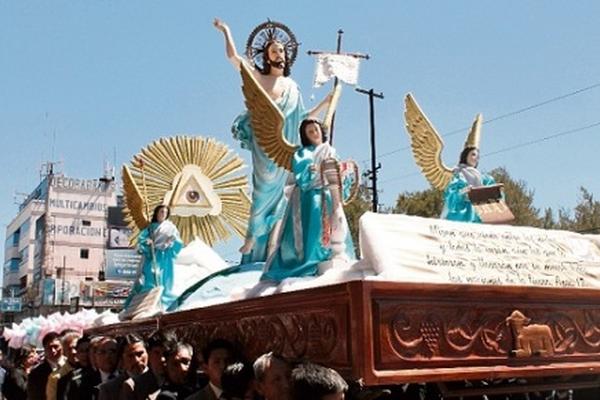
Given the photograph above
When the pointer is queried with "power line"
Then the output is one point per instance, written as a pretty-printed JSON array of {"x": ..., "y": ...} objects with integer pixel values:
[
  {"x": 531, "y": 142},
  {"x": 504, "y": 116},
  {"x": 514, "y": 147}
]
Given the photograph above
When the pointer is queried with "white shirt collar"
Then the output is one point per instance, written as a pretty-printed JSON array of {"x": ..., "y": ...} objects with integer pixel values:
[
  {"x": 217, "y": 391},
  {"x": 104, "y": 375}
]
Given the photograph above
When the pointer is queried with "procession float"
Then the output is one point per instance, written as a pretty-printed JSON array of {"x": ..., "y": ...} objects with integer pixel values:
[{"x": 459, "y": 300}]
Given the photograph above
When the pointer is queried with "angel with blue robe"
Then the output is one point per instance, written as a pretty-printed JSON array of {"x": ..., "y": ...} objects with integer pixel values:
[
  {"x": 314, "y": 229},
  {"x": 457, "y": 206},
  {"x": 456, "y": 183},
  {"x": 159, "y": 243}
]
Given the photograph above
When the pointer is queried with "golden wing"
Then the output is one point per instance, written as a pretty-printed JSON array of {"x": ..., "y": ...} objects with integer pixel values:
[
  {"x": 134, "y": 200},
  {"x": 426, "y": 145},
  {"x": 267, "y": 121}
]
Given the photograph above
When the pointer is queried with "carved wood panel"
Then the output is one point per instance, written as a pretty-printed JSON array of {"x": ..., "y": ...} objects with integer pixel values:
[
  {"x": 429, "y": 334},
  {"x": 319, "y": 335}
]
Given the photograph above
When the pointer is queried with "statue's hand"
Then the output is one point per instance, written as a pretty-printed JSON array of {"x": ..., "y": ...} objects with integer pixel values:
[{"x": 220, "y": 25}]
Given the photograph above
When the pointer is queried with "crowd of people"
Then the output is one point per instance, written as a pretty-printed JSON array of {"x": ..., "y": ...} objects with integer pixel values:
[
  {"x": 163, "y": 367},
  {"x": 74, "y": 366}
]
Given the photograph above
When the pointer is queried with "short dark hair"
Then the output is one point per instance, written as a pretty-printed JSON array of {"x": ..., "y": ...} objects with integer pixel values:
[
  {"x": 157, "y": 209},
  {"x": 217, "y": 344},
  {"x": 49, "y": 338},
  {"x": 83, "y": 340},
  {"x": 303, "y": 138},
  {"x": 173, "y": 347},
  {"x": 159, "y": 339},
  {"x": 313, "y": 381},
  {"x": 465, "y": 153},
  {"x": 236, "y": 379},
  {"x": 127, "y": 340},
  {"x": 266, "y": 68}
]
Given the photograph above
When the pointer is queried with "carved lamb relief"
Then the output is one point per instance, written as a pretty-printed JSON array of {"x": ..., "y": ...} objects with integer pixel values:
[{"x": 535, "y": 339}]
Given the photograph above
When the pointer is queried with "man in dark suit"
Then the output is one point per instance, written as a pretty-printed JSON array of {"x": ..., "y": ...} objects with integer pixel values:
[
  {"x": 134, "y": 360},
  {"x": 179, "y": 384},
  {"x": 38, "y": 377},
  {"x": 81, "y": 362},
  {"x": 215, "y": 357},
  {"x": 147, "y": 385},
  {"x": 81, "y": 382},
  {"x": 69, "y": 348}
]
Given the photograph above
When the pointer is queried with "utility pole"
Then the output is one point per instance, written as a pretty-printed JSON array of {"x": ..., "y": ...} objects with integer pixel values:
[{"x": 375, "y": 166}]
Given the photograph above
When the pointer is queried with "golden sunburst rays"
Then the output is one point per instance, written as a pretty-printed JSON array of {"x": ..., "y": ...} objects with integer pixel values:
[{"x": 157, "y": 171}]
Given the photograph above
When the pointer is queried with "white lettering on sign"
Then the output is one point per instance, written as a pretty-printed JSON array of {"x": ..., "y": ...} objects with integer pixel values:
[
  {"x": 77, "y": 230},
  {"x": 78, "y": 205},
  {"x": 415, "y": 249},
  {"x": 94, "y": 185}
]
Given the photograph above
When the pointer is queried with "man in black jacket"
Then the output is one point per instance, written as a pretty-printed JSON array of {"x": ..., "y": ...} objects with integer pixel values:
[{"x": 38, "y": 377}]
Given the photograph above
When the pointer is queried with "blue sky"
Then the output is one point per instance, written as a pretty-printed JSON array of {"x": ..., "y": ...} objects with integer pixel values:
[{"x": 108, "y": 77}]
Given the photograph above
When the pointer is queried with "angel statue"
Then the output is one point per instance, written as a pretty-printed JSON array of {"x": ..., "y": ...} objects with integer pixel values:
[
  {"x": 460, "y": 184},
  {"x": 270, "y": 50},
  {"x": 315, "y": 232},
  {"x": 197, "y": 189}
]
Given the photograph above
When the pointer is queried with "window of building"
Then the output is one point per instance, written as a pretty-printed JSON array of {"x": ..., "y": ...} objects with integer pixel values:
[
  {"x": 24, "y": 255},
  {"x": 24, "y": 228},
  {"x": 23, "y": 281},
  {"x": 84, "y": 253},
  {"x": 85, "y": 222},
  {"x": 11, "y": 265},
  {"x": 13, "y": 240}
]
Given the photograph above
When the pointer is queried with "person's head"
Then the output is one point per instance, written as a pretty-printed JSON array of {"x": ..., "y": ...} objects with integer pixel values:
[
  {"x": 275, "y": 56},
  {"x": 26, "y": 357},
  {"x": 52, "y": 347},
  {"x": 134, "y": 358},
  {"x": 179, "y": 360},
  {"x": 94, "y": 343},
  {"x": 156, "y": 346},
  {"x": 106, "y": 355},
  {"x": 470, "y": 156},
  {"x": 161, "y": 213},
  {"x": 69, "y": 347},
  {"x": 311, "y": 133},
  {"x": 215, "y": 357},
  {"x": 83, "y": 351},
  {"x": 237, "y": 382},
  {"x": 272, "y": 374},
  {"x": 312, "y": 381}
]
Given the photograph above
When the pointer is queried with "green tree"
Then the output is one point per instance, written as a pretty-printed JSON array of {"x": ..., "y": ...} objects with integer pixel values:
[
  {"x": 424, "y": 203},
  {"x": 585, "y": 217},
  {"x": 519, "y": 198}
]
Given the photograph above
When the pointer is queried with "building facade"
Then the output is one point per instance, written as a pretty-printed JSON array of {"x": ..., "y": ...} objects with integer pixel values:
[{"x": 67, "y": 248}]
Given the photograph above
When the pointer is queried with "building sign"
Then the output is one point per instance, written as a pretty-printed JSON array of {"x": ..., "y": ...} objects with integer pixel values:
[
  {"x": 76, "y": 229},
  {"x": 64, "y": 290},
  {"x": 118, "y": 237},
  {"x": 104, "y": 294},
  {"x": 48, "y": 292},
  {"x": 122, "y": 264},
  {"x": 78, "y": 205},
  {"x": 10, "y": 304},
  {"x": 92, "y": 185}
]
